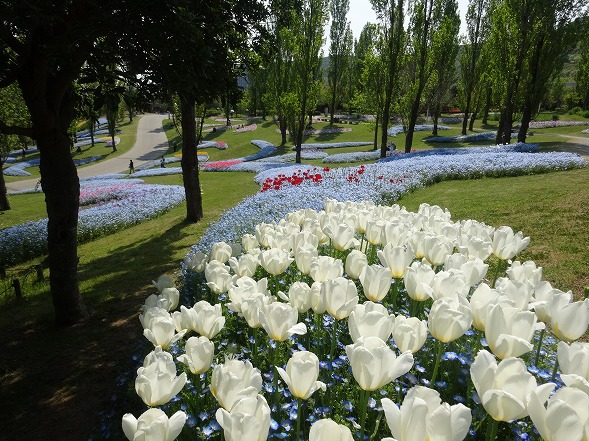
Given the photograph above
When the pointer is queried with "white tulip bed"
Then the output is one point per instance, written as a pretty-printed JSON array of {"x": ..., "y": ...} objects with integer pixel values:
[{"x": 312, "y": 311}]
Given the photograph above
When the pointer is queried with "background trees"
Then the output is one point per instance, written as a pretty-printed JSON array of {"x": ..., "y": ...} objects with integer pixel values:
[
  {"x": 340, "y": 49},
  {"x": 43, "y": 49}
]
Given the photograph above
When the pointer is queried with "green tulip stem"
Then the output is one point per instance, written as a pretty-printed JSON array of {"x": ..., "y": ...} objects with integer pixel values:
[
  {"x": 492, "y": 427},
  {"x": 255, "y": 349},
  {"x": 299, "y": 417},
  {"x": 414, "y": 308},
  {"x": 555, "y": 370},
  {"x": 499, "y": 266},
  {"x": 364, "y": 397},
  {"x": 319, "y": 325},
  {"x": 198, "y": 386},
  {"x": 376, "y": 426},
  {"x": 539, "y": 346},
  {"x": 396, "y": 283},
  {"x": 275, "y": 373},
  {"x": 438, "y": 358},
  {"x": 333, "y": 344}
]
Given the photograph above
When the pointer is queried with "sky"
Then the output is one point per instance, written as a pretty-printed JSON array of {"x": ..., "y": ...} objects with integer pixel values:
[{"x": 361, "y": 13}]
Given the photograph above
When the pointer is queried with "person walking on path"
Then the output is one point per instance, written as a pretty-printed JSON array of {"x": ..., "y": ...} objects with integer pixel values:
[{"x": 131, "y": 167}]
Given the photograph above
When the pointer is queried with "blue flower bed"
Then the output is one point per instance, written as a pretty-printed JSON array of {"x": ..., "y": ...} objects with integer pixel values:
[
  {"x": 473, "y": 137},
  {"x": 395, "y": 130},
  {"x": 128, "y": 204},
  {"x": 407, "y": 172}
]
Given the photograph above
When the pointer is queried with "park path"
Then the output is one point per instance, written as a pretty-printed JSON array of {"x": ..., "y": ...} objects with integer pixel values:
[{"x": 151, "y": 143}]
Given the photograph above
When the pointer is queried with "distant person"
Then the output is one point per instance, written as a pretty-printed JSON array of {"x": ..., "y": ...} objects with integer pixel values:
[
  {"x": 131, "y": 167},
  {"x": 162, "y": 162},
  {"x": 175, "y": 146}
]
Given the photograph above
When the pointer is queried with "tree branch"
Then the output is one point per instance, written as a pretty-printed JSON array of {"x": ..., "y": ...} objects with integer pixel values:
[{"x": 15, "y": 130}]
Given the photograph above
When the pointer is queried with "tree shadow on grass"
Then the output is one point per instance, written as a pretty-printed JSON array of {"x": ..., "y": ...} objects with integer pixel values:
[{"x": 63, "y": 377}]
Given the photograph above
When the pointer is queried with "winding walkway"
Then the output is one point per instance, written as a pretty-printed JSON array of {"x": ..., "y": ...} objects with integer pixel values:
[{"x": 151, "y": 143}]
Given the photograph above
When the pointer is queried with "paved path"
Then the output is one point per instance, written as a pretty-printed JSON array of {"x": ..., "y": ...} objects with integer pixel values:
[{"x": 151, "y": 144}]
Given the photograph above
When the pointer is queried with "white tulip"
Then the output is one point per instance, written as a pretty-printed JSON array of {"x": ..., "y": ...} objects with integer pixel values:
[
  {"x": 376, "y": 282},
  {"x": 506, "y": 244},
  {"x": 375, "y": 364},
  {"x": 355, "y": 262},
  {"x": 153, "y": 425},
  {"x": 502, "y": 387},
  {"x": 329, "y": 430},
  {"x": 409, "y": 333},
  {"x": 234, "y": 380},
  {"x": 156, "y": 381},
  {"x": 370, "y": 319},
  {"x": 198, "y": 356},
  {"x": 301, "y": 374},
  {"x": 339, "y": 296}
]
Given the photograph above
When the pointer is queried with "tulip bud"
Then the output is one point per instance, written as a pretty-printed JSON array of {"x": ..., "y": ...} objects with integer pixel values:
[
  {"x": 376, "y": 282},
  {"x": 355, "y": 263},
  {"x": 198, "y": 356},
  {"x": 301, "y": 374}
]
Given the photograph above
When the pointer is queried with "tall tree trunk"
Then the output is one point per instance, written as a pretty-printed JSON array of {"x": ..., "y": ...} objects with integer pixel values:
[
  {"x": 487, "y": 109},
  {"x": 282, "y": 126},
  {"x": 473, "y": 118},
  {"x": 435, "y": 117},
  {"x": 525, "y": 123},
  {"x": 190, "y": 175},
  {"x": 61, "y": 186},
  {"x": 376, "y": 133},
  {"x": 466, "y": 113},
  {"x": 4, "y": 203},
  {"x": 386, "y": 118}
]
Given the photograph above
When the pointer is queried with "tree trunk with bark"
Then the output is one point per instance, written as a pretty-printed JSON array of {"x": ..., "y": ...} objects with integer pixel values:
[
  {"x": 60, "y": 183},
  {"x": 194, "y": 212},
  {"x": 4, "y": 202}
]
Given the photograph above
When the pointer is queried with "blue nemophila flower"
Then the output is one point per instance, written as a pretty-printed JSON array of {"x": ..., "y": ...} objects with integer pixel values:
[{"x": 191, "y": 421}]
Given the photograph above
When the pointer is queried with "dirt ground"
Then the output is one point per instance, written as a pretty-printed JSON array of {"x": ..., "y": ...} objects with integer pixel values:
[{"x": 60, "y": 395}]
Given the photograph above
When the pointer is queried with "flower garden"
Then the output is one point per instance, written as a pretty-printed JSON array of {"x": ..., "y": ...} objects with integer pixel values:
[{"x": 319, "y": 309}]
